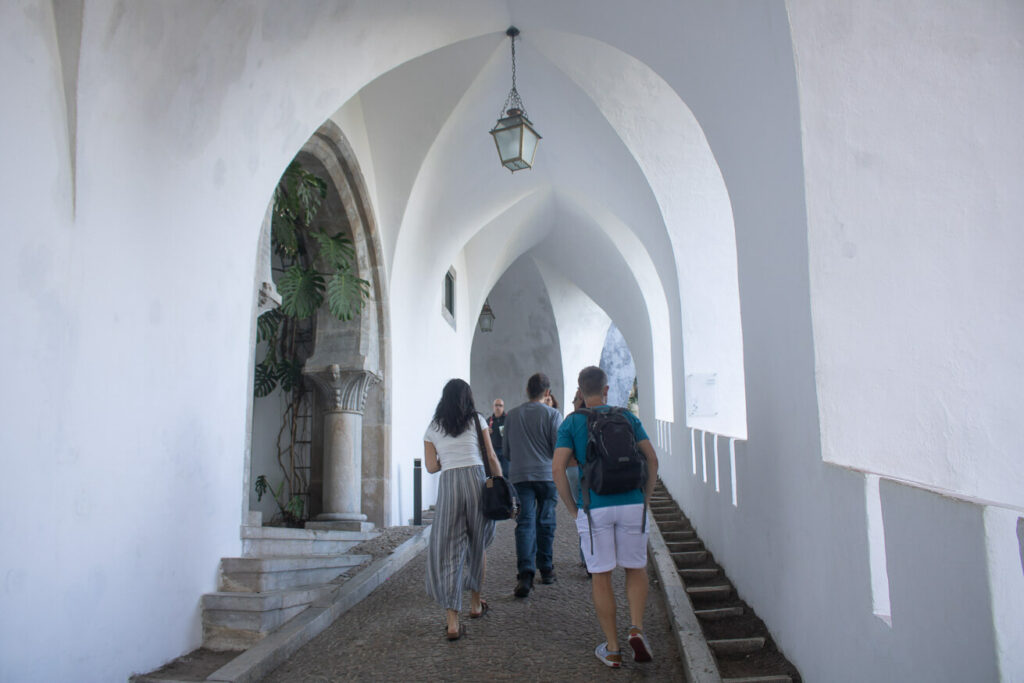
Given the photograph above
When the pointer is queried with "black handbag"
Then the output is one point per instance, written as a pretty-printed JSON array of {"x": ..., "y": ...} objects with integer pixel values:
[{"x": 498, "y": 499}]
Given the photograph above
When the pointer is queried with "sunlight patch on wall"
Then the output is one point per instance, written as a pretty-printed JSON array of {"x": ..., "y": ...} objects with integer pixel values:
[{"x": 876, "y": 550}]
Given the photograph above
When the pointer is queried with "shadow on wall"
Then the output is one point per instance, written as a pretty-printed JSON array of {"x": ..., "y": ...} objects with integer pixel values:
[
  {"x": 524, "y": 340},
  {"x": 617, "y": 362},
  {"x": 1020, "y": 540}
]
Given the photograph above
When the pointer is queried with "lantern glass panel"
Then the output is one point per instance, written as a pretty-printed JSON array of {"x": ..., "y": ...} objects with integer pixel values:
[
  {"x": 508, "y": 141},
  {"x": 530, "y": 140}
]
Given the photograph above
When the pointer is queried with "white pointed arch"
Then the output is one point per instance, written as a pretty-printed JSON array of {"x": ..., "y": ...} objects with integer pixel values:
[{"x": 668, "y": 144}]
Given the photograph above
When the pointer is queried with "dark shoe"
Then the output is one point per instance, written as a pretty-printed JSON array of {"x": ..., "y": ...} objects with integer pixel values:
[
  {"x": 483, "y": 610},
  {"x": 457, "y": 634},
  {"x": 547, "y": 577},
  {"x": 524, "y": 585}
]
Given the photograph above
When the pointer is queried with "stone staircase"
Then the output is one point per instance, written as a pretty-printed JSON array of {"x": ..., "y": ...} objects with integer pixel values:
[
  {"x": 738, "y": 639},
  {"x": 282, "y": 572}
]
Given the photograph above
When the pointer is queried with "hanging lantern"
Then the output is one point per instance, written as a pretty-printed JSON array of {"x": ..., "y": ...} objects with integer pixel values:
[
  {"x": 486, "y": 318},
  {"x": 514, "y": 134}
]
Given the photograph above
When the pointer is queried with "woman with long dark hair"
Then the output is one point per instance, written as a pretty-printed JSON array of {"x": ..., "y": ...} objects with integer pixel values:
[{"x": 460, "y": 534}]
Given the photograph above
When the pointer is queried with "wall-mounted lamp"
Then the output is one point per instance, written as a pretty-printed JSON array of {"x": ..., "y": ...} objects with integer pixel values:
[{"x": 486, "y": 318}]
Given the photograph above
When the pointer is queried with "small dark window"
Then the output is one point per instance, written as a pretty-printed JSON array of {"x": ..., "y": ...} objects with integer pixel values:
[{"x": 448, "y": 302}]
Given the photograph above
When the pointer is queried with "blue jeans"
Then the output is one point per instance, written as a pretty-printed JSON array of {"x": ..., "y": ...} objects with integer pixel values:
[
  {"x": 535, "y": 528},
  {"x": 504, "y": 462}
]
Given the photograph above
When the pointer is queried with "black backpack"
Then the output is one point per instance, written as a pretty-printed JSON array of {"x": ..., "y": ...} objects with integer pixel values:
[{"x": 613, "y": 462}]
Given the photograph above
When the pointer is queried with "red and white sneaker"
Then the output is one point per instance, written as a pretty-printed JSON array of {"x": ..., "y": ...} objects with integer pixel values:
[{"x": 641, "y": 648}]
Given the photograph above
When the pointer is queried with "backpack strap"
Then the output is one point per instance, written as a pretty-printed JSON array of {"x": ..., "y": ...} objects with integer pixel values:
[
  {"x": 480, "y": 442},
  {"x": 584, "y": 484}
]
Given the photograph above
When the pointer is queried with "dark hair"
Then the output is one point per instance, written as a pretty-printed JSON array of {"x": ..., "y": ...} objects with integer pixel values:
[
  {"x": 592, "y": 380},
  {"x": 455, "y": 409},
  {"x": 537, "y": 385}
]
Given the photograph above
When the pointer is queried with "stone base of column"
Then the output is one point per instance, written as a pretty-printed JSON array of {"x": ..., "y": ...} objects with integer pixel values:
[{"x": 339, "y": 525}]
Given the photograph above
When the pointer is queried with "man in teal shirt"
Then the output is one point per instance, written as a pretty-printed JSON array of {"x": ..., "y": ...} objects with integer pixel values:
[{"x": 616, "y": 523}]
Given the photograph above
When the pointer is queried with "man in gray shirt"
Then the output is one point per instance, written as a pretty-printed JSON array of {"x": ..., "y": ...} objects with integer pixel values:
[{"x": 531, "y": 431}]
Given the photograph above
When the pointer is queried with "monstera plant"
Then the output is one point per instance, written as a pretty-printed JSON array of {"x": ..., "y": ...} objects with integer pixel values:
[{"x": 311, "y": 268}]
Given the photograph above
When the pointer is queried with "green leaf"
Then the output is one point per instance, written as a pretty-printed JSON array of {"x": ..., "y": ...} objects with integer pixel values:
[
  {"x": 346, "y": 294},
  {"x": 302, "y": 291},
  {"x": 266, "y": 379},
  {"x": 267, "y": 326},
  {"x": 283, "y": 232},
  {"x": 295, "y": 506},
  {"x": 310, "y": 192},
  {"x": 336, "y": 252},
  {"x": 261, "y": 486},
  {"x": 289, "y": 374},
  {"x": 303, "y": 193}
]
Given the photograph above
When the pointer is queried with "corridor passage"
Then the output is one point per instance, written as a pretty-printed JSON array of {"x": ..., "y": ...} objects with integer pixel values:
[{"x": 397, "y": 633}]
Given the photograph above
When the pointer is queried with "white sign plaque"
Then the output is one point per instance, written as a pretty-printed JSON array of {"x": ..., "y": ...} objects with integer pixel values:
[{"x": 701, "y": 395}]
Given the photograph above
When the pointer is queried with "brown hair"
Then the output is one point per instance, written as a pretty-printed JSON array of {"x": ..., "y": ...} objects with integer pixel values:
[{"x": 592, "y": 381}]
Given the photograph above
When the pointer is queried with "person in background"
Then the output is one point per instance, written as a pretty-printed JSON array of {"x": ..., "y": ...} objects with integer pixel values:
[
  {"x": 551, "y": 401},
  {"x": 530, "y": 434},
  {"x": 454, "y": 445},
  {"x": 496, "y": 423}
]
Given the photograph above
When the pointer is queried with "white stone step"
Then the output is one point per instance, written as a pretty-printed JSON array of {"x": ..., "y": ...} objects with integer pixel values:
[
  {"x": 675, "y": 536},
  {"x": 720, "y": 591},
  {"x": 689, "y": 558},
  {"x": 268, "y": 541},
  {"x": 702, "y": 573},
  {"x": 233, "y": 621},
  {"x": 683, "y": 546},
  {"x": 262, "y": 574},
  {"x": 228, "y": 601},
  {"x": 736, "y": 646},
  {"x": 782, "y": 678},
  {"x": 718, "y": 613}
]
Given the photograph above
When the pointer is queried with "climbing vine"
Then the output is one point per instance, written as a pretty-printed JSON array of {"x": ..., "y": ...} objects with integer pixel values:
[{"x": 311, "y": 268}]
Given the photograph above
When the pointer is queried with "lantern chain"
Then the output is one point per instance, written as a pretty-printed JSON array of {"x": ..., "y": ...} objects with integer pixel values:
[{"x": 513, "y": 100}]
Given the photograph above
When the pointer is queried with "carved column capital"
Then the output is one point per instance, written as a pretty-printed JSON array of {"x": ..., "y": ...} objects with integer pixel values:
[{"x": 344, "y": 390}]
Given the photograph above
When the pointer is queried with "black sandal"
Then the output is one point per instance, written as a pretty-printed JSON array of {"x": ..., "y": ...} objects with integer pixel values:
[
  {"x": 483, "y": 610},
  {"x": 458, "y": 634}
]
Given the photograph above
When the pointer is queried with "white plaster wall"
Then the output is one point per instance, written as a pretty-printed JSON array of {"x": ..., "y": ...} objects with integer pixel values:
[
  {"x": 580, "y": 324},
  {"x": 796, "y": 545},
  {"x": 915, "y": 164},
  {"x": 125, "y": 418},
  {"x": 669, "y": 146},
  {"x": 524, "y": 340},
  {"x": 427, "y": 353},
  {"x": 126, "y": 405},
  {"x": 107, "y": 420}
]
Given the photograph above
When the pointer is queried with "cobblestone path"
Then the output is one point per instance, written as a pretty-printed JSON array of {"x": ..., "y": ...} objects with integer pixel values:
[{"x": 397, "y": 633}]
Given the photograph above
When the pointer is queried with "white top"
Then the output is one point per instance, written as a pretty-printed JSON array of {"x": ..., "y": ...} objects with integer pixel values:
[{"x": 457, "y": 451}]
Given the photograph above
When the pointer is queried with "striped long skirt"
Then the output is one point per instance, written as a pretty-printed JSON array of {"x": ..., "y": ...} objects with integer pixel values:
[{"x": 460, "y": 534}]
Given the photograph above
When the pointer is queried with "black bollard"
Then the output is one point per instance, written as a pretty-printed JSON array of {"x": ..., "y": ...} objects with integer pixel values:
[{"x": 417, "y": 492}]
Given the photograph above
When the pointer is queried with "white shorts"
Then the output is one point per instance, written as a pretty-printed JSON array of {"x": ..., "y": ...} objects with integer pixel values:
[{"x": 618, "y": 540}]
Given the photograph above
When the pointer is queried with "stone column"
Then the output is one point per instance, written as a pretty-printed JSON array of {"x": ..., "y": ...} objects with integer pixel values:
[{"x": 344, "y": 393}]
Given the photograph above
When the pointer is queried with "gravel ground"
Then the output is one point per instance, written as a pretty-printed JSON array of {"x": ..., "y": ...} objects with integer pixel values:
[
  {"x": 397, "y": 633},
  {"x": 389, "y": 539}
]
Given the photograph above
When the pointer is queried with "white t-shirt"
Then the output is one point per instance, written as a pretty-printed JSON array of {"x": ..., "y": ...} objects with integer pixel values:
[{"x": 457, "y": 451}]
